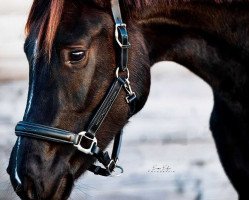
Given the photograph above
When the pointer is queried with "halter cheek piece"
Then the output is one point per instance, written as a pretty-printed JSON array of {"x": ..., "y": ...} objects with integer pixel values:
[{"x": 86, "y": 141}]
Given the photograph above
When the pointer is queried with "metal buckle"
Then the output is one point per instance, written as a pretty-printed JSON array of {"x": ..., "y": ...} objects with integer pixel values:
[
  {"x": 117, "y": 26},
  {"x": 109, "y": 165},
  {"x": 93, "y": 141},
  {"x": 117, "y": 170}
]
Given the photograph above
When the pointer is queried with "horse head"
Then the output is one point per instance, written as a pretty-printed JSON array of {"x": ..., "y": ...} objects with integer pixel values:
[{"x": 73, "y": 58}]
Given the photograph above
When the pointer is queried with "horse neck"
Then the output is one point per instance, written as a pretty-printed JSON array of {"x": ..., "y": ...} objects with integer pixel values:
[{"x": 207, "y": 38}]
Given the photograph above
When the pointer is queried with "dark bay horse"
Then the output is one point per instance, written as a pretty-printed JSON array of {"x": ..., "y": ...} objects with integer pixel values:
[{"x": 72, "y": 55}]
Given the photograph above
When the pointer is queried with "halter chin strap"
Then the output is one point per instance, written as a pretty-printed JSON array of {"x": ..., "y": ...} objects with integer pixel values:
[{"x": 86, "y": 141}]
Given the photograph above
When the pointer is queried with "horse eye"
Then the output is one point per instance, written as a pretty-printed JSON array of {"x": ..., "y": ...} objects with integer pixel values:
[{"x": 76, "y": 56}]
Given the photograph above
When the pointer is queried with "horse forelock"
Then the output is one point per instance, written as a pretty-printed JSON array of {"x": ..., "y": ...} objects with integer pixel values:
[{"x": 44, "y": 17}]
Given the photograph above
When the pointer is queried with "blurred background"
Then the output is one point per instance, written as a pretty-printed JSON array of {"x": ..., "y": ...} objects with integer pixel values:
[{"x": 167, "y": 152}]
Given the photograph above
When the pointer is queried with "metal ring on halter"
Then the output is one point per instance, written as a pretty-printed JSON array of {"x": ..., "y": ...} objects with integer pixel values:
[
  {"x": 127, "y": 70},
  {"x": 117, "y": 173}
]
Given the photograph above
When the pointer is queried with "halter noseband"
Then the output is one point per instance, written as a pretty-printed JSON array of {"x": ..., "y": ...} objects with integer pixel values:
[{"x": 86, "y": 141}]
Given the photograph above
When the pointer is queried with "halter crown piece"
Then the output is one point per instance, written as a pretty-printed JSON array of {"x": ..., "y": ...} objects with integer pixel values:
[{"x": 86, "y": 141}]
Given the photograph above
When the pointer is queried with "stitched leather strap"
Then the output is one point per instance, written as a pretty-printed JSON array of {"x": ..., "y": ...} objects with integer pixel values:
[
  {"x": 104, "y": 108},
  {"x": 39, "y": 131}
]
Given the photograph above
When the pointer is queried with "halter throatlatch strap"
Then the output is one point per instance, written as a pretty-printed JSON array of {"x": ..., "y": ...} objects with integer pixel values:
[{"x": 86, "y": 141}]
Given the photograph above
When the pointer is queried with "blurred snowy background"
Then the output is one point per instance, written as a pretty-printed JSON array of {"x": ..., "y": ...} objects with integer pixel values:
[{"x": 172, "y": 131}]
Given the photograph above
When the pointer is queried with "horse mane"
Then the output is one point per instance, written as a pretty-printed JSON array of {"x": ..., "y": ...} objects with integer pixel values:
[
  {"x": 45, "y": 17},
  {"x": 139, "y": 4}
]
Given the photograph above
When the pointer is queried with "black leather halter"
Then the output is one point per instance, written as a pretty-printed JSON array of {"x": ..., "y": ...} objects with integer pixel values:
[{"x": 86, "y": 141}]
